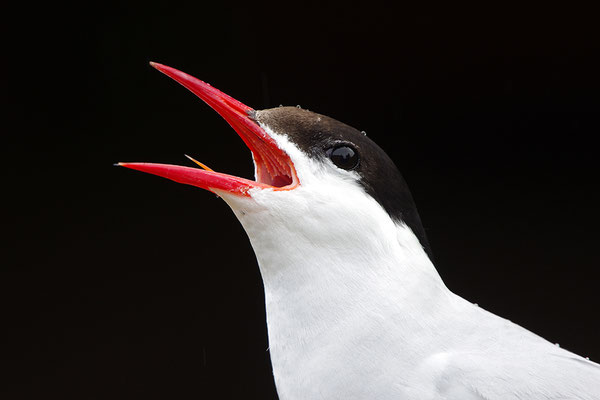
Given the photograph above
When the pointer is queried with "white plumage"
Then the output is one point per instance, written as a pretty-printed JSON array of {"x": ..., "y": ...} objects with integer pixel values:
[{"x": 356, "y": 310}]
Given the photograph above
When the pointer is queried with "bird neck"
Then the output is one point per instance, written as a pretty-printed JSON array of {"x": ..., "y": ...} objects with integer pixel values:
[
  {"x": 332, "y": 285},
  {"x": 311, "y": 288},
  {"x": 325, "y": 305}
]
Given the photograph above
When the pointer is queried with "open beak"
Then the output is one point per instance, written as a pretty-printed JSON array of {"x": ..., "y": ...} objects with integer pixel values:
[{"x": 273, "y": 167}]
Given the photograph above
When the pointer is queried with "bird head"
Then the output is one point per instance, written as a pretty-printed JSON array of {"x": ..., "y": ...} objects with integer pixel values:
[{"x": 308, "y": 167}]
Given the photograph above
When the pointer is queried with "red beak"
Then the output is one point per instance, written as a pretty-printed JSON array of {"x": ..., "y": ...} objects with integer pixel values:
[{"x": 274, "y": 169}]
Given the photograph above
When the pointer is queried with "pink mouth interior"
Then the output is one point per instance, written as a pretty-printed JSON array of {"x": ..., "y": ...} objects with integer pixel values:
[{"x": 273, "y": 168}]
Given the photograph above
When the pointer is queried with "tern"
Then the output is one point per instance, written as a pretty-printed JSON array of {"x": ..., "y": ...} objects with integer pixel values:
[{"x": 355, "y": 307}]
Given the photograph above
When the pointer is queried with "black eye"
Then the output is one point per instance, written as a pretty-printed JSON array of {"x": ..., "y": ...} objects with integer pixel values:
[{"x": 344, "y": 157}]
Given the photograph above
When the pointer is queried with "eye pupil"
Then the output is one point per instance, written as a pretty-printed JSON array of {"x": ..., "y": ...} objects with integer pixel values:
[{"x": 344, "y": 157}]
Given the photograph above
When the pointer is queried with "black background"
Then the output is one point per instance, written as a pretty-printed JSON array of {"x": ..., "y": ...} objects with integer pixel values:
[{"x": 118, "y": 284}]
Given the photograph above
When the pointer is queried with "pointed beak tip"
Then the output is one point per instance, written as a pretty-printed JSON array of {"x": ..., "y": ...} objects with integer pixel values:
[{"x": 156, "y": 65}]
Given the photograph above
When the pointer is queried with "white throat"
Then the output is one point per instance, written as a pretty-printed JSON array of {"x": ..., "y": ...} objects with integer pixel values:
[{"x": 334, "y": 285}]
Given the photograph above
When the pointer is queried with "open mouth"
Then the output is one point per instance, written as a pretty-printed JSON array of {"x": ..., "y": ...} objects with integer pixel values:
[{"x": 273, "y": 167}]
